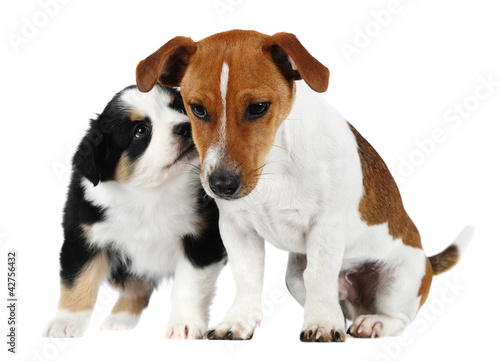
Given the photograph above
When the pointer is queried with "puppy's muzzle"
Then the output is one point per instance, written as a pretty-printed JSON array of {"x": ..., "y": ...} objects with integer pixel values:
[{"x": 224, "y": 184}]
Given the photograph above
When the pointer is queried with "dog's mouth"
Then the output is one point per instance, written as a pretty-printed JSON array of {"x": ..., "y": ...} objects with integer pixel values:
[{"x": 186, "y": 154}]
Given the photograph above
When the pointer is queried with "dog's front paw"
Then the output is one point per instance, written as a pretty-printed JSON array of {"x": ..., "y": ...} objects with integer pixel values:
[
  {"x": 68, "y": 324},
  {"x": 185, "y": 330},
  {"x": 322, "y": 333},
  {"x": 235, "y": 327},
  {"x": 231, "y": 331}
]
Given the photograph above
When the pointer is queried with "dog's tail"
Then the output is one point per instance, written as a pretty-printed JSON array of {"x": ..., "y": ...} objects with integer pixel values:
[{"x": 445, "y": 260}]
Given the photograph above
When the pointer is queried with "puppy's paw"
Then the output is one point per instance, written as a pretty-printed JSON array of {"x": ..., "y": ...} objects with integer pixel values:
[
  {"x": 120, "y": 322},
  {"x": 367, "y": 326},
  {"x": 68, "y": 324},
  {"x": 185, "y": 330}
]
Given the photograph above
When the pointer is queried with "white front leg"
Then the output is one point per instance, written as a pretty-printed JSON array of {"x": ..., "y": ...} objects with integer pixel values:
[
  {"x": 323, "y": 317},
  {"x": 192, "y": 294},
  {"x": 246, "y": 254}
]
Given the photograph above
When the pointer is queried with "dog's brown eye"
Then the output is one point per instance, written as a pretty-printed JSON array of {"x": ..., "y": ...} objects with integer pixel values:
[
  {"x": 257, "y": 110},
  {"x": 200, "y": 112},
  {"x": 141, "y": 131}
]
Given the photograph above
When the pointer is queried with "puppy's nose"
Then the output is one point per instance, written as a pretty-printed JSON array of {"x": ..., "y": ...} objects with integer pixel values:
[
  {"x": 183, "y": 129},
  {"x": 224, "y": 183}
]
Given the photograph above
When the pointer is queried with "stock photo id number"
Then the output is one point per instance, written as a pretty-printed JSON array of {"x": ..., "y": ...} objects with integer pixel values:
[{"x": 12, "y": 301}]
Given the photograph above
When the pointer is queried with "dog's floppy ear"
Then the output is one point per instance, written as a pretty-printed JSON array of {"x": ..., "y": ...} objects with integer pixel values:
[
  {"x": 295, "y": 62},
  {"x": 167, "y": 65},
  {"x": 85, "y": 159}
]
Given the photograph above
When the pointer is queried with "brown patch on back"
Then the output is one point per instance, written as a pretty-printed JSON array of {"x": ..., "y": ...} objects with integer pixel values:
[
  {"x": 83, "y": 294},
  {"x": 425, "y": 286},
  {"x": 445, "y": 260},
  {"x": 381, "y": 202},
  {"x": 124, "y": 169},
  {"x": 134, "y": 297}
]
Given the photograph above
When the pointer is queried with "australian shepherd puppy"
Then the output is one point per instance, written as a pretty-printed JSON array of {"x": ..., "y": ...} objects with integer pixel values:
[{"x": 135, "y": 214}]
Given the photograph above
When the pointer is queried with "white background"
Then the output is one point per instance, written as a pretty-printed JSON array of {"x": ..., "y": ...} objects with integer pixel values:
[{"x": 411, "y": 70}]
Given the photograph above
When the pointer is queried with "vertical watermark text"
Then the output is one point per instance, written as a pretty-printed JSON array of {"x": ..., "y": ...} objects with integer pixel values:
[{"x": 12, "y": 327}]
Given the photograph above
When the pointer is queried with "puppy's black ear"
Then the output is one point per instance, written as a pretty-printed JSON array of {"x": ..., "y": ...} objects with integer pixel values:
[{"x": 85, "y": 159}]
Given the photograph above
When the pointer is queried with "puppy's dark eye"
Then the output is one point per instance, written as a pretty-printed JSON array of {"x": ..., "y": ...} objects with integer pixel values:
[
  {"x": 200, "y": 112},
  {"x": 257, "y": 110},
  {"x": 141, "y": 130}
]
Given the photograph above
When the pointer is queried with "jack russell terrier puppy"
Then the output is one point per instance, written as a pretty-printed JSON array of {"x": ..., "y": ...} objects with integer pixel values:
[
  {"x": 284, "y": 166},
  {"x": 136, "y": 213}
]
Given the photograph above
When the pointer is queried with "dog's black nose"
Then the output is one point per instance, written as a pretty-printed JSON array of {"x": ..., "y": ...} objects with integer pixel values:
[
  {"x": 183, "y": 129},
  {"x": 224, "y": 183}
]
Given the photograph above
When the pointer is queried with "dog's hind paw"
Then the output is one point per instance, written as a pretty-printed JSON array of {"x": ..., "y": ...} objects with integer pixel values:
[{"x": 367, "y": 326}]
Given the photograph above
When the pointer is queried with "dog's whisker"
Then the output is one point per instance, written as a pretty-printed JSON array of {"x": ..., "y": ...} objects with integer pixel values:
[{"x": 284, "y": 149}]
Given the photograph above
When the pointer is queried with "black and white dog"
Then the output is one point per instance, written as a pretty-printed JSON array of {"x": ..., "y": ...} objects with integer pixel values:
[{"x": 135, "y": 214}]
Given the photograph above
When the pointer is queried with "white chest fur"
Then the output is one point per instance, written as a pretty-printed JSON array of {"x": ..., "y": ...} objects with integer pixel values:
[
  {"x": 313, "y": 168},
  {"x": 147, "y": 225}
]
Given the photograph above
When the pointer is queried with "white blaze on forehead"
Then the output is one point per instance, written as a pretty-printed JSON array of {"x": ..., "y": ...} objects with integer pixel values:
[
  {"x": 216, "y": 151},
  {"x": 224, "y": 79}
]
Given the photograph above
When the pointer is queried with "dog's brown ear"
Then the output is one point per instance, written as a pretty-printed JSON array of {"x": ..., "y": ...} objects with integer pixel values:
[
  {"x": 295, "y": 62},
  {"x": 166, "y": 65}
]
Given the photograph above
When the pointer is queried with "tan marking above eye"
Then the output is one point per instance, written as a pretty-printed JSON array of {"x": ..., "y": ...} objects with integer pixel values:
[{"x": 136, "y": 116}]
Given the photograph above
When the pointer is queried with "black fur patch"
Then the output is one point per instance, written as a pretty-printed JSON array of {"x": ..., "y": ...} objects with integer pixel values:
[
  {"x": 177, "y": 102},
  {"x": 119, "y": 266},
  {"x": 206, "y": 247},
  {"x": 76, "y": 252}
]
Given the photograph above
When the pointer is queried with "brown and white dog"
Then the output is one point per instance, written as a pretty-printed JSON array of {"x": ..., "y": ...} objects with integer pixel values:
[{"x": 285, "y": 167}]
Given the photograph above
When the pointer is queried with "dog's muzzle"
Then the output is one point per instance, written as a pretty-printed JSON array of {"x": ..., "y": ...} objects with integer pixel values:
[{"x": 224, "y": 184}]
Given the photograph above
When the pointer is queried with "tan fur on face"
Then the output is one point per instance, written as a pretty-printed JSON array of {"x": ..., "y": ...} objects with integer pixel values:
[
  {"x": 124, "y": 169},
  {"x": 136, "y": 116},
  {"x": 83, "y": 294},
  {"x": 87, "y": 230},
  {"x": 247, "y": 143}
]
